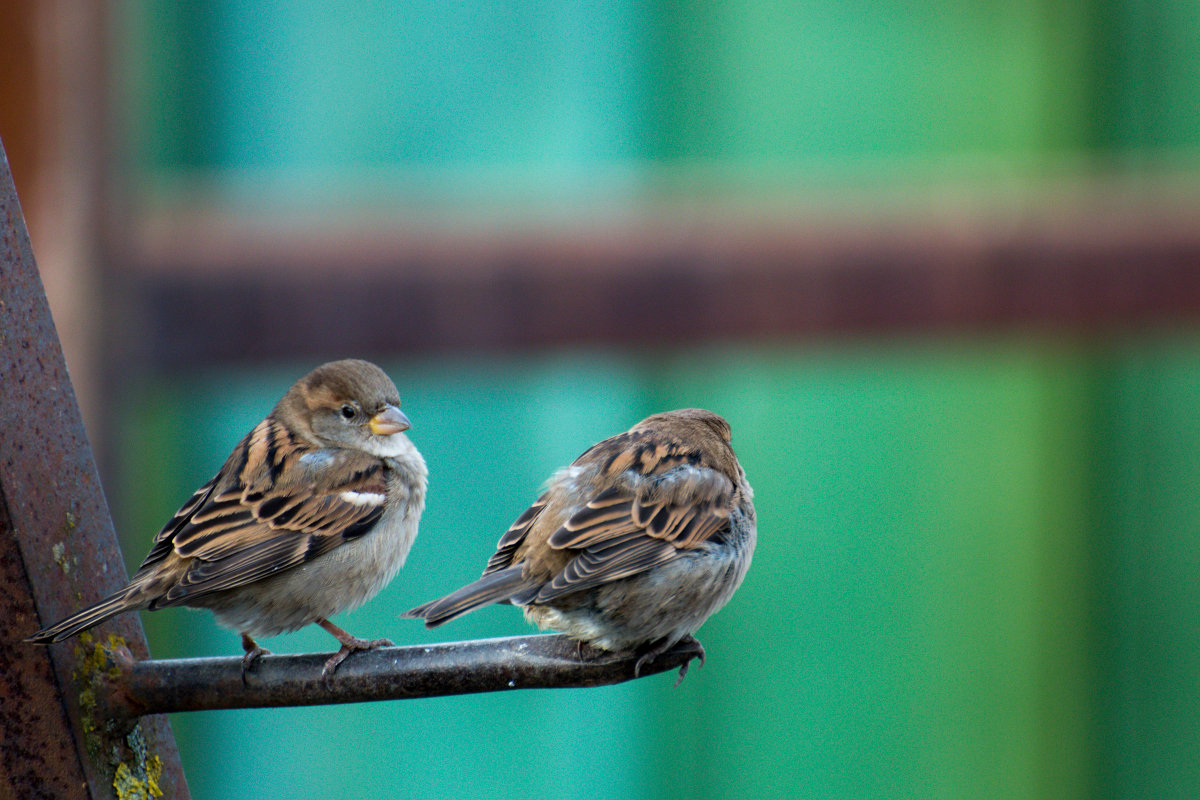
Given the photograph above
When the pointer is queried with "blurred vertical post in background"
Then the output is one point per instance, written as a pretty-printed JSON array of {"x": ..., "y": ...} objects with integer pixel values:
[{"x": 54, "y": 117}]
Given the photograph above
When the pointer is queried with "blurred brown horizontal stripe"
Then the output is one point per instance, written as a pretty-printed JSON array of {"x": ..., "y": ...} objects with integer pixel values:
[{"x": 209, "y": 289}]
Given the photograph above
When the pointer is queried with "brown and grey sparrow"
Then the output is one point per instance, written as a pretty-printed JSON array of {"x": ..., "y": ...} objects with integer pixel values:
[
  {"x": 632, "y": 547},
  {"x": 312, "y": 514}
]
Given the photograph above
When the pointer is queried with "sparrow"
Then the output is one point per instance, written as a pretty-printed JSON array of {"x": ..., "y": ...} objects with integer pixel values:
[
  {"x": 631, "y": 547},
  {"x": 312, "y": 514}
]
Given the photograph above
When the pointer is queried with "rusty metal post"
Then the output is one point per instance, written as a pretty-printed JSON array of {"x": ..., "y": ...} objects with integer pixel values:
[{"x": 58, "y": 551}]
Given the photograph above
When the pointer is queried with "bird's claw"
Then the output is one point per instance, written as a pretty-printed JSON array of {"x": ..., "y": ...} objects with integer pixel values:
[
  {"x": 350, "y": 644},
  {"x": 688, "y": 644},
  {"x": 253, "y": 653}
]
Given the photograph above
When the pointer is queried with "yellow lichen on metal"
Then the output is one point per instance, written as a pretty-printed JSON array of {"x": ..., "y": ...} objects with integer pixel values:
[
  {"x": 140, "y": 785},
  {"x": 136, "y": 772},
  {"x": 91, "y": 658},
  {"x": 137, "y": 779},
  {"x": 95, "y": 660}
]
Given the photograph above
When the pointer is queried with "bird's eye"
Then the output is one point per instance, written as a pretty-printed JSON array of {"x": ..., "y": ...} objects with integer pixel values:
[{"x": 349, "y": 411}]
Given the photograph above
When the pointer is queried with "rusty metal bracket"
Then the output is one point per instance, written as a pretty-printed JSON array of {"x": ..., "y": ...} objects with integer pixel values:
[{"x": 58, "y": 551}]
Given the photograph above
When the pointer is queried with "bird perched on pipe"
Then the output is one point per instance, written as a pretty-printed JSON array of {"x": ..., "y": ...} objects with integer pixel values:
[
  {"x": 630, "y": 548},
  {"x": 312, "y": 514}
]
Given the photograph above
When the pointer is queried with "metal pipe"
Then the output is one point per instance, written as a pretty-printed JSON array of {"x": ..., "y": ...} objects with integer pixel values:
[{"x": 137, "y": 688}]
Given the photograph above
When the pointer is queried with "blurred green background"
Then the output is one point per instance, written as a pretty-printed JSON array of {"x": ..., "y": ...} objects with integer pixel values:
[
  {"x": 976, "y": 573},
  {"x": 975, "y": 578}
]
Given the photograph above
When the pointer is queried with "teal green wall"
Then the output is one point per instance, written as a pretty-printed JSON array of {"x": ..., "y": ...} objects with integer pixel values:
[
  {"x": 502, "y": 102},
  {"x": 1149, "y": 518},
  {"x": 975, "y": 577}
]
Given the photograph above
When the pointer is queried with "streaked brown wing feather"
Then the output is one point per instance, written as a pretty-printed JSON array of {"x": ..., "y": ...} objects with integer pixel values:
[
  {"x": 627, "y": 529},
  {"x": 247, "y": 524},
  {"x": 685, "y": 525},
  {"x": 602, "y": 564},
  {"x": 507, "y": 547},
  {"x": 241, "y": 568},
  {"x": 164, "y": 542},
  {"x": 684, "y": 521}
]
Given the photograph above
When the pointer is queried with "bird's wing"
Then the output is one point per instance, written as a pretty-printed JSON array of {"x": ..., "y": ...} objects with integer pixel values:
[
  {"x": 275, "y": 504},
  {"x": 512, "y": 539},
  {"x": 660, "y": 500}
]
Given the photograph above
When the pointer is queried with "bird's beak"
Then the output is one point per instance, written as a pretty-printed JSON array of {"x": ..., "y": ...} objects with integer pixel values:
[{"x": 390, "y": 420}]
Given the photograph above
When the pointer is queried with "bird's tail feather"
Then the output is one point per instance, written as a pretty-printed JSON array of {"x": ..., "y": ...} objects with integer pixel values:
[
  {"x": 92, "y": 615},
  {"x": 495, "y": 587}
]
